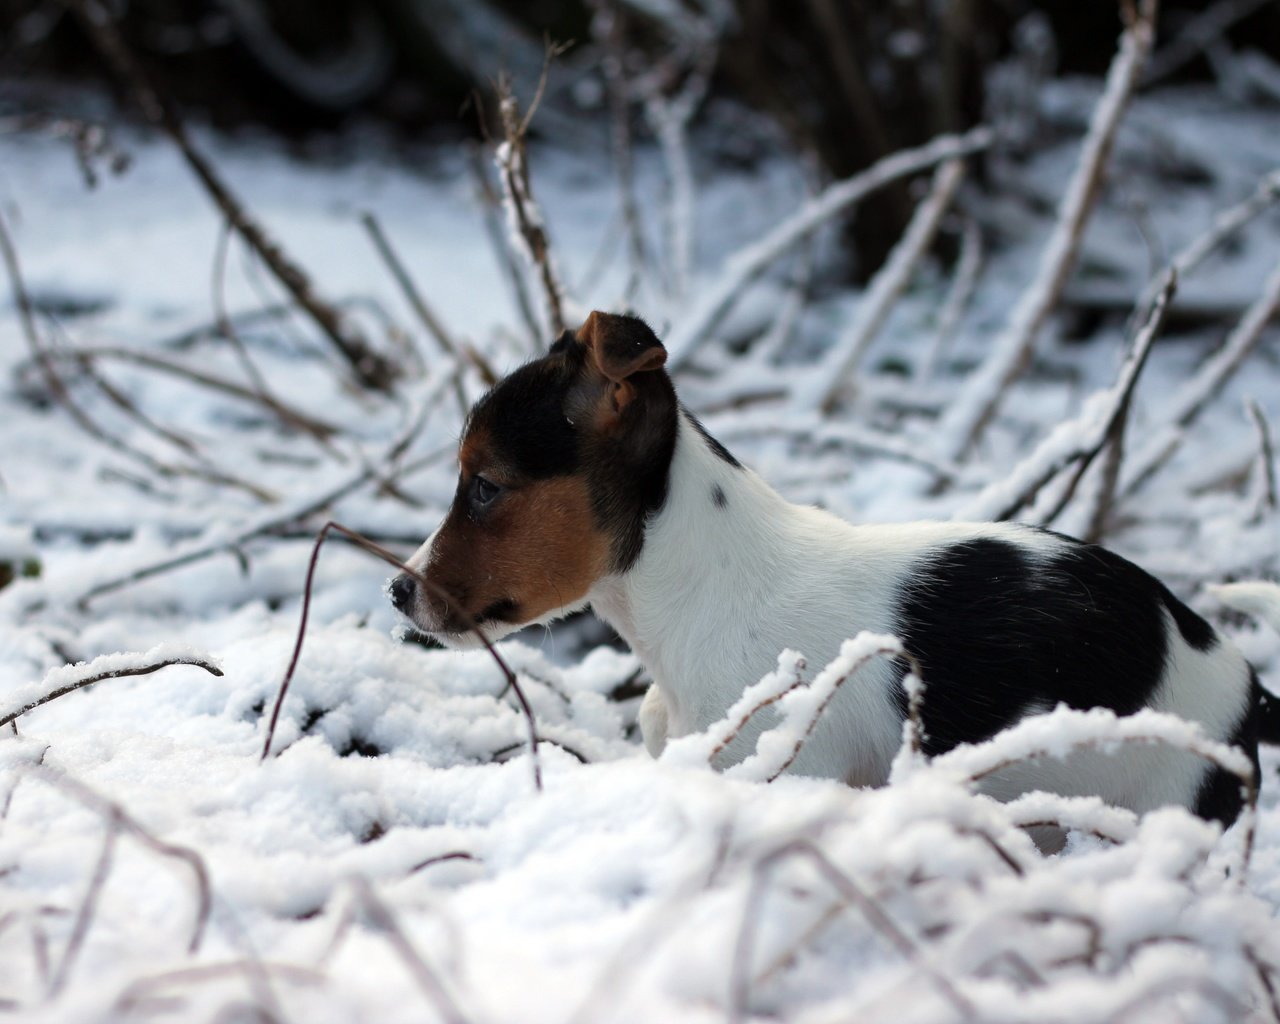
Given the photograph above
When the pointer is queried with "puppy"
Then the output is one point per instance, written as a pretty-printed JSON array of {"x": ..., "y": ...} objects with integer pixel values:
[{"x": 585, "y": 482}]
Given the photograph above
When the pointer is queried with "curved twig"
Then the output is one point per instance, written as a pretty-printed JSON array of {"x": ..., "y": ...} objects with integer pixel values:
[{"x": 426, "y": 584}]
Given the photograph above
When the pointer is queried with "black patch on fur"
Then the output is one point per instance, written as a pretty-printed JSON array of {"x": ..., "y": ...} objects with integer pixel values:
[
  {"x": 1221, "y": 797},
  {"x": 539, "y": 421},
  {"x": 561, "y": 343},
  {"x": 718, "y": 498},
  {"x": 1268, "y": 717},
  {"x": 1000, "y": 631},
  {"x": 628, "y": 468},
  {"x": 524, "y": 416},
  {"x": 1194, "y": 629},
  {"x": 721, "y": 451}
]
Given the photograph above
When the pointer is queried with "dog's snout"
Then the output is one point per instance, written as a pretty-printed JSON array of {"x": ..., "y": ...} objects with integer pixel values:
[{"x": 402, "y": 591}]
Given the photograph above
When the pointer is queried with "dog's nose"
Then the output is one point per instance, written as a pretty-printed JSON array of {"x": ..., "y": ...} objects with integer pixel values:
[{"x": 402, "y": 590}]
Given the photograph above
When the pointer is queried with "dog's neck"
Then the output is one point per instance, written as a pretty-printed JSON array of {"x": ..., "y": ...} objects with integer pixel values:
[{"x": 700, "y": 602}]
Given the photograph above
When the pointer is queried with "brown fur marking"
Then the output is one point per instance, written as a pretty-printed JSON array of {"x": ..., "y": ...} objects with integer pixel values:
[{"x": 539, "y": 547}]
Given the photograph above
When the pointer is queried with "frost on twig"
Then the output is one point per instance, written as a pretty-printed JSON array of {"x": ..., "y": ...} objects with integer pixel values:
[
  {"x": 798, "y": 708},
  {"x": 426, "y": 584},
  {"x": 959, "y": 294},
  {"x": 888, "y": 285},
  {"x": 749, "y": 262},
  {"x": 524, "y": 216},
  {"x": 119, "y": 822},
  {"x": 1209, "y": 380},
  {"x": 1011, "y": 351},
  {"x": 70, "y": 678},
  {"x": 219, "y": 539},
  {"x": 371, "y": 368},
  {"x": 1077, "y": 442},
  {"x": 1065, "y": 731},
  {"x": 1264, "y": 485}
]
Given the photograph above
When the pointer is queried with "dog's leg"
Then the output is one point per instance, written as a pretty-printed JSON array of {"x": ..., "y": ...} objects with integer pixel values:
[{"x": 653, "y": 721}]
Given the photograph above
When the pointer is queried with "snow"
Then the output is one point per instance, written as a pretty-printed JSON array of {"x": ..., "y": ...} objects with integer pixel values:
[{"x": 393, "y": 861}]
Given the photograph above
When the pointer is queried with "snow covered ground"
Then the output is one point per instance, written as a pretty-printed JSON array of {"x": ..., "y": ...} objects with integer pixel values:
[{"x": 393, "y": 859}]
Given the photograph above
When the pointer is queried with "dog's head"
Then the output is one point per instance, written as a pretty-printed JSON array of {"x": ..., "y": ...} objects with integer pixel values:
[{"x": 560, "y": 465}]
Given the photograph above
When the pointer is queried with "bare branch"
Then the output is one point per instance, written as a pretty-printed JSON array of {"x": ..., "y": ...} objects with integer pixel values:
[
  {"x": 1197, "y": 35},
  {"x": 1078, "y": 442},
  {"x": 748, "y": 263},
  {"x": 429, "y": 585},
  {"x": 1011, "y": 351},
  {"x": 371, "y": 368},
  {"x": 1266, "y": 472},
  {"x": 523, "y": 212},
  {"x": 162, "y": 364},
  {"x": 67, "y": 679},
  {"x": 888, "y": 285},
  {"x": 425, "y": 313},
  {"x": 1207, "y": 384},
  {"x": 118, "y": 819},
  {"x": 963, "y": 283},
  {"x": 851, "y": 893},
  {"x": 428, "y": 981}
]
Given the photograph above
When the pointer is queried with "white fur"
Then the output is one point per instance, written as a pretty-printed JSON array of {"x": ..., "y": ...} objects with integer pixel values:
[{"x": 717, "y": 593}]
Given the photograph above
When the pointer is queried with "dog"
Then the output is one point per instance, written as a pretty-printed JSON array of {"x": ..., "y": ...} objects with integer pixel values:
[{"x": 584, "y": 481}]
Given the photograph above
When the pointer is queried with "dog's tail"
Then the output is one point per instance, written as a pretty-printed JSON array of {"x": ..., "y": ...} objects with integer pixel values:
[{"x": 1262, "y": 601}]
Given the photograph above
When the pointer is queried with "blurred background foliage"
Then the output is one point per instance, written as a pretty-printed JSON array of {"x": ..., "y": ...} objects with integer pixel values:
[{"x": 846, "y": 81}]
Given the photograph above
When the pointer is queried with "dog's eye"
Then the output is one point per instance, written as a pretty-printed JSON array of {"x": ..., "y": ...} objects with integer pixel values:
[{"x": 483, "y": 491}]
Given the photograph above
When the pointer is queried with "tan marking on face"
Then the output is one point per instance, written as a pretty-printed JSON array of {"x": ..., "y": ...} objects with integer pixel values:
[
  {"x": 538, "y": 547},
  {"x": 473, "y": 453}
]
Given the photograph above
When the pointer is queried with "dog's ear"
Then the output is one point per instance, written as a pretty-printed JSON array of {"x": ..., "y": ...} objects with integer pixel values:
[{"x": 620, "y": 347}]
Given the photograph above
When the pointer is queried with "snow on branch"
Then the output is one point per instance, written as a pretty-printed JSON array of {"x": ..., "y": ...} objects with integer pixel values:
[
  {"x": 373, "y": 369},
  {"x": 431, "y": 587},
  {"x": 799, "y": 708},
  {"x": 1011, "y": 351},
  {"x": 1077, "y": 441},
  {"x": 1065, "y": 731},
  {"x": 887, "y": 286},
  {"x": 524, "y": 216},
  {"x": 219, "y": 539},
  {"x": 69, "y": 678},
  {"x": 748, "y": 263},
  {"x": 1191, "y": 400}
]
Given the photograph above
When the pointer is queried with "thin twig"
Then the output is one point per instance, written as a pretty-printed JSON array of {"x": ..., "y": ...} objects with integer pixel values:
[
  {"x": 425, "y": 313},
  {"x": 523, "y": 212},
  {"x": 748, "y": 263},
  {"x": 374, "y": 370},
  {"x": 871, "y": 909},
  {"x": 432, "y": 985},
  {"x": 1011, "y": 352},
  {"x": 1208, "y": 382},
  {"x": 440, "y": 858},
  {"x": 429, "y": 585},
  {"x": 81, "y": 680},
  {"x": 197, "y": 552},
  {"x": 1198, "y": 34},
  {"x": 888, "y": 284},
  {"x": 491, "y": 204},
  {"x": 435, "y": 327},
  {"x": 138, "y": 993},
  {"x": 963, "y": 282},
  {"x": 1078, "y": 442},
  {"x": 162, "y": 364},
  {"x": 120, "y": 819},
  {"x": 88, "y": 906},
  {"x": 1266, "y": 472}
]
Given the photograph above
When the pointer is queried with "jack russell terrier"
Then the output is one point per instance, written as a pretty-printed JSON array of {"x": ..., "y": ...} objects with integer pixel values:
[{"x": 584, "y": 481}]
